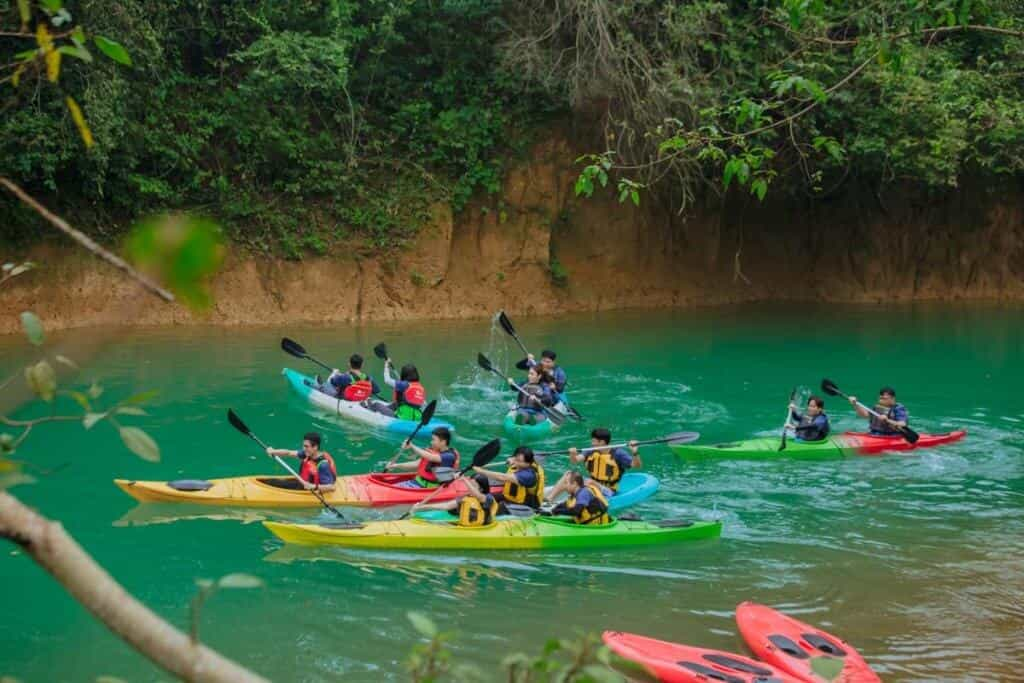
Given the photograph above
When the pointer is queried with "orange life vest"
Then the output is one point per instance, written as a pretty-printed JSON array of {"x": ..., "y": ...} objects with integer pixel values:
[{"x": 310, "y": 470}]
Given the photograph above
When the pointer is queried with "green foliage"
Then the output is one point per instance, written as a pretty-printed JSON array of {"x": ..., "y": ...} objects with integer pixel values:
[
  {"x": 559, "y": 275},
  {"x": 299, "y": 126},
  {"x": 209, "y": 587}
]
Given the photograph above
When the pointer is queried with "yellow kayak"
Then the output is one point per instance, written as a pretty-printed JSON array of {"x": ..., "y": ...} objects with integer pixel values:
[{"x": 533, "y": 533}]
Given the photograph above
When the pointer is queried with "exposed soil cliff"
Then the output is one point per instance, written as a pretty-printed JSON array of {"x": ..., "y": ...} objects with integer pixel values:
[{"x": 538, "y": 249}]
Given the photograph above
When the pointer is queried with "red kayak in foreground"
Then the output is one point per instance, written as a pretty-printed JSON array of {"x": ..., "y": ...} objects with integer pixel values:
[
  {"x": 800, "y": 649},
  {"x": 674, "y": 663}
]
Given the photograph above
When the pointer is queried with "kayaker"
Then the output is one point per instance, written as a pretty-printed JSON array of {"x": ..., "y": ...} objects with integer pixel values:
[
  {"x": 586, "y": 503},
  {"x": 605, "y": 466},
  {"x": 894, "y": 415},
  {"x": 477, "y": 508},
  {"x": 547, "y": 363},
  {"x": 440, "y": 454},
  {"x": 408, "y": 397},
  {"x": 523, "y": 483},
  {"x": 537, "y": 393},
  {"x": 354, "y": 384},
  {"x": 317, "y": 469},
  {"x": 813, "y": 425}
]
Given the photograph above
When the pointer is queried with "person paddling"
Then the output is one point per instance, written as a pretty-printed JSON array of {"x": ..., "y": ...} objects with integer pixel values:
[
  {"x": 605, "y": 465},
  {"x": 477, "y": 508},
  {"x": 440, "y": 454},
  {"x": 813, "y": 425},
  {"x": 586, "y": 504},
  {"x": 523, "y": 483},
  {"x": 317, "y": 469},
  {"x": 548, "y": 365},
  {"x": 894, "y": 415},
  {"x": 352, "y": 385},
  {"x": 535, "y": 393},
  {"x": 409, "y": 395}
]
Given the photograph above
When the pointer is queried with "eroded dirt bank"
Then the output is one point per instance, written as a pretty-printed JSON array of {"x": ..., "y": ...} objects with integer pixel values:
[{"x": 540, "y": 250}]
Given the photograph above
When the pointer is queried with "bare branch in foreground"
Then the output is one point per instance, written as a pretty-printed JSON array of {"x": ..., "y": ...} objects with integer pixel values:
[{"x": 52, "y": 548}]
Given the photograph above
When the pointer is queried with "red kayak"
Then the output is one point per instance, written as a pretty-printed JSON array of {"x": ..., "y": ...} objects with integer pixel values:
[
  {"x": 868, "y": 444},
  {"x": 800, "y": 649},
  {"x": 675, "y": 663}
]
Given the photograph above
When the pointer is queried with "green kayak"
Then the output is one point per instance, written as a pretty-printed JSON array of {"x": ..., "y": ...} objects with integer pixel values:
[
  {"x": 848, "y": 443},
  {"x": 534, "y": 533}
]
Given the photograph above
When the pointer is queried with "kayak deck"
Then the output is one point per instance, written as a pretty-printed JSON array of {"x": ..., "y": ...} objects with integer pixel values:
[
  {"x": 362, "y": 490},
  {"x": 847, "y": 443},
  {"x": 305, "y": 386},
  {"x": 534, "y": 533}
]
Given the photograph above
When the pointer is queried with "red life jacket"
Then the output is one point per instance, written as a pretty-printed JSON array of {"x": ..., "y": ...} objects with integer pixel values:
[
  {"x": 426, "y": 468},
  {"x": 360, "y": 389},
  {"x": 414, "y": 395},
  {"x": 311, "y": 468}
]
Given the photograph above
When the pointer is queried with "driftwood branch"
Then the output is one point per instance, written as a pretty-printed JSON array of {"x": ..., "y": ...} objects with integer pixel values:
[
  {"x": 86, "y": 241},
  {"x": 56, "y": 551}
]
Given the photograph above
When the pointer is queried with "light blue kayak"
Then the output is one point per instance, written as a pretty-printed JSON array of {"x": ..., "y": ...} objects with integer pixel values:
[
  {"x": 525, "y": 433},
  {"x": 634, "y": 488},
  {"x": 305, "y": 386}
]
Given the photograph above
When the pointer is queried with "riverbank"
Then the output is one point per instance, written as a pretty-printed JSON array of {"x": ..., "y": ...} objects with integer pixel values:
[{"x": 536, "y": 249}]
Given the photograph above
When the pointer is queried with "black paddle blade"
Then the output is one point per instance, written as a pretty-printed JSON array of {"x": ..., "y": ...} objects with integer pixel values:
[
  {"x": 237, "y": 423},
  {"x": 482, "y": 361},
  {"x": 575, "y": 414},
  {"x": 488, "y": 452},
  {"x": 909, "y": 434},
  {"x": 428, "y": 413},
  {"x": 292, "y": 347},
  {"x": 524, "y": 364},
  {"x": 381, "y": 351},
  {"x": 830, "y": 388},
  {"x": 506, "y": 324}
]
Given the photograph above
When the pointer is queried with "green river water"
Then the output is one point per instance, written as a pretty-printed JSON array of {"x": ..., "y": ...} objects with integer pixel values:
[{"x": 916, "y": 559}]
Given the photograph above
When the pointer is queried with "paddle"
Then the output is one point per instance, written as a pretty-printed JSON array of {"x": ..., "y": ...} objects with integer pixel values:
[
  {"x": 555, "y": 417},
  {"x": 674, "y": 438},
  {"x": 785, "y": 425},
  {"x": 237, "y": 423},
  {"x": 381, "y": 351},
  {"x": 830, "y": 388},
  {"x": 428, "y": 414},
  {"x": 506, "y": 325},
  {"x": 482, "y": 457},
  {"x": 296, "y": 349}
]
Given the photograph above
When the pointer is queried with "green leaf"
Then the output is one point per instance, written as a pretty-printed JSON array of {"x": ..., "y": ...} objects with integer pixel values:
[
  {"x": 759, "y": 187},
  {"x": 113, "y": 49},
  {"x": 184, "y": 252},
  {"x": 26, "y": 13},
  {"x": 33, "y": 327},
  {"x": 422, "y": 623},
  {"x": 91, "y": 419},
  {"x": 584, "y": 186},
  {"x": 130, "y": 410},
  {"x": 240, "y": 581},
  {"x": 78, "y": 36},
  {"x": 603, "y": 177},
  {"x": 42, "y": 380},
  {"x": 140, "y": 443},
  {"x": 730, "y": 171},
  {"x": 141, "y": 397},
  {"x": 51, "y": 6},
  {"x": 64, "y": 360},
  {"x": 79, "y": 118},
  {"x": 635, "y": 196},
  {"x": 204, "y": 583},
  {"x": 27, "y": 265},
  {"x": 81, "y": 400},
  {"x": 78, "y": 52},
  {"x": 95, "y": 391}
]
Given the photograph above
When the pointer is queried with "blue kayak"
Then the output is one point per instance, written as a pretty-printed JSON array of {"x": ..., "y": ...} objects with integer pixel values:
[
  {"x": 359, "y": 411},
  {"x": 634, "y": 488}
]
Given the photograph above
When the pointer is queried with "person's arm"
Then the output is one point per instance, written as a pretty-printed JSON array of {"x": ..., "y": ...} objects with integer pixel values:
[
  {"x": 283, "y": 452},
  {"x": 575, "y": 455},
  {"x": 388, "y": 379},
  {"x": 793, "y": 415},
  {"x": 901, "y": 418},
  {"x": 474, "y": 490},
  {"x": 634, "y": 450},
  {"x": 498, "y": 476},
  {"x": 408, "y": 466},
  {"x": 628, "y": 459},
  {"x": 860, "y": 410},
  {"x": 560, "y": 380}
]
